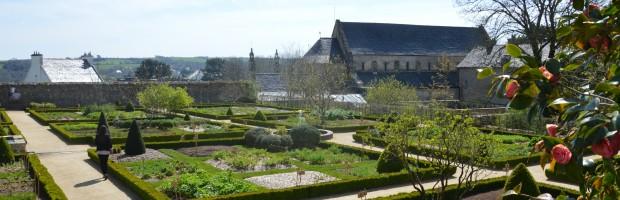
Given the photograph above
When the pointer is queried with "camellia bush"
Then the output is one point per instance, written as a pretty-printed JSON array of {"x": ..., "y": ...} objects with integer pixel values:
[{"x": 580, "y": 90}]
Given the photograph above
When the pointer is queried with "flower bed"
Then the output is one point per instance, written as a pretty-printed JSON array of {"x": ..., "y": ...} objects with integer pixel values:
[
  {"x": 249, "y": 110},
  {"x": 82, "y": 132},
  {"x": 290, "y": 121},
  {"x": 156, "y": 177},
  {"x": 512, "y": 150}
]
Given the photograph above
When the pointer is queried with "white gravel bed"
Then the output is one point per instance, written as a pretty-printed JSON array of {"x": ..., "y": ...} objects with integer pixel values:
[
  {"x": 287, "y": 180},
  {"x": 150, "y": 154}
]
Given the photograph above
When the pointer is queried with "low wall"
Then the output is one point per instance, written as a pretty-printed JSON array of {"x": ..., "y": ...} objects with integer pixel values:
[{"x": 70, "y": 94}]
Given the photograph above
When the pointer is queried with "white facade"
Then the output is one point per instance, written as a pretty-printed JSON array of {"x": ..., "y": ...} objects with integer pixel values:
[{"x": 61, "y": 70}]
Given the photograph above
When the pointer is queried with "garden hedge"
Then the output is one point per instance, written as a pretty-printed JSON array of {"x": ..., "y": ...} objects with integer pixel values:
[
  {"x": 483, "y": 186},
  {"x": 495, "y": 163},
  {"x": 4, "y": 118},
  {"x": 36, "y": 114},
  {"x": 69, "y": 137},
  {"x": 226, "y": 116},
  {"x": 45, "y": 179},
  {"x": 143, "y": 189},
  {"x": 268, "y": 124}
]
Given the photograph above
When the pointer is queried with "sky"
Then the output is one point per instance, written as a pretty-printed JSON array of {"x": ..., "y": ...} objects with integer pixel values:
[{"x": 222, "y": 28}]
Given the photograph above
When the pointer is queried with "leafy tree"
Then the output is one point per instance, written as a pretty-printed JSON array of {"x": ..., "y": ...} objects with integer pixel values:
[
  {"x": 153, "y": 69},
  {"x": 454, "y": 143},
  {"x": 389, "y": 161},
  {"x": 391, "y": 92},
  {"x": 134, "y": 145},
  {"x": 164, "y": 98},
  {"x": 586, "y": 112},
  {"x": 213, "y": 69}
]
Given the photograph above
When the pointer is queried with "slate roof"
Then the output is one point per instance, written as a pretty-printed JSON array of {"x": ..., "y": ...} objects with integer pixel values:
[
  {"x": 270, "y": 82},
  {"x": 417, "y": 79},
  {"x": 402, "y": 39},
  {"x": 323, "y": 50},
  {"x": 496, "y": 57},
  {"x": 70, "y": 70}
]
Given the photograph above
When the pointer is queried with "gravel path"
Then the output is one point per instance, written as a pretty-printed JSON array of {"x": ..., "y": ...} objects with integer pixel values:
[
  {"x": 287, "y": 180},
  {"x": 150, "y": 154}
]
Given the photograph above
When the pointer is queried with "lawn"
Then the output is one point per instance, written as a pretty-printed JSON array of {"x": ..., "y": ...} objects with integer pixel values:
[
  {"x": 180, "y": 127},
  {"x": 237, "y": 110},
  {"x": 16, "y": 182}
]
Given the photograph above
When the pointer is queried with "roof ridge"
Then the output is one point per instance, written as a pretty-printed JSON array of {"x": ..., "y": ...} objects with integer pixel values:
[{"x": 425, "y": 25}]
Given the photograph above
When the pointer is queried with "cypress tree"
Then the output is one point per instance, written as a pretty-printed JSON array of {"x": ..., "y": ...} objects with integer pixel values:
[
  {"x": 102, "y": 121},
  {"x": 134, "y": 144},
  {"x": 6, "y": 153},
  {"x": 230, "y": 112}
]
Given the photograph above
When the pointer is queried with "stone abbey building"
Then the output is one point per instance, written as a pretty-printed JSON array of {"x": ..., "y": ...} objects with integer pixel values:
[{"x": 410, "y": 53}]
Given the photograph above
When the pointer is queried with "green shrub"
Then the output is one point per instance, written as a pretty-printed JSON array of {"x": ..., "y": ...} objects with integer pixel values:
[
  {"x": 42, "y": 105},
  {"x": 286, "y": 140},
  {"x": 305, "y": 136},
  {"x": 203, "y": 184},
  {"x": 229, "y": 112},
  {"x": 187, "y": 117},
  {"x": 260, "y": 116},
  {"x": 521, "y": 176},
  {"x": 134, "y": 144},
  {"x": 339, "y": 114},
  {"x": 251, "y": 136},
  {"x": 130, "y": 107},
  {"x": 6, "y": 153},
  {"x": 98, "y": 108},
  {"x": 389, "y": 161}
]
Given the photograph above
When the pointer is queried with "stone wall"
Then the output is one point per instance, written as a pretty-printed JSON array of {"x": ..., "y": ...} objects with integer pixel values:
[
  {"x": 474, "y": 90},
  {"x": 71, "y": 94}
]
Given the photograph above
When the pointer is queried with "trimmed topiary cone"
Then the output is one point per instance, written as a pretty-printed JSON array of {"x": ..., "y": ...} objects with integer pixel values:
[
  {"x": 520, "y": 175},
  {"x": 187, "y": 118},
  {"x": 102, "y": 121},
  {"x": 389, "y": 161},
  {"x": 6, "y": 153},
  {"x": 134, "y": 144},
  {"x": 129, "y": 107},
  {"x": 260, "y": 116},
  {"x": 230, "y": 112}
]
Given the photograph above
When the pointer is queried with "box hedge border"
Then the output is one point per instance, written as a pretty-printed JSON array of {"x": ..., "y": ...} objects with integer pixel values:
[
  {"x": 224, "y": 117},
  {"x": 482, "y": 186},
  {"x": 4, "y": 118},
  {"x": 75, "y": 139},
  {"x": 45, "y": 121},
  {"x": 146, "y": 191},
  {"x": 337, "y": 129},
  {"x": 495, "y": 164},
  {"x": 45, "y": 179}
]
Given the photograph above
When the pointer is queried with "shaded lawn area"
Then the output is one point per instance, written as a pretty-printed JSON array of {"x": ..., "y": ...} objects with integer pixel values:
[{"x": 237, "y": 110}]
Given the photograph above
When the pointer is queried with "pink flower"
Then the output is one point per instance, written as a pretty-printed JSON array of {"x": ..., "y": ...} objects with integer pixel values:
[
  {"x": 561, "y": 154},
  {"x": 547, "y": 74},
  {"x": 604, "y": 149},
  {"x": 511, "y": 89},
  {"x": 615, "y": 141},
  {"x": 552, "y": 129}
]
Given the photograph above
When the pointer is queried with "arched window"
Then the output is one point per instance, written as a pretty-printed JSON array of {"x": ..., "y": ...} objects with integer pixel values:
[
  {"x": 374, "y": 65},
  {"x": 363, "y": 66},
  {"x": 396, "y": 65}
]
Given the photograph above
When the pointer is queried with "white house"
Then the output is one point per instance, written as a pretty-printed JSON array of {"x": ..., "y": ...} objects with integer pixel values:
[{"x": 58, "y": 70}]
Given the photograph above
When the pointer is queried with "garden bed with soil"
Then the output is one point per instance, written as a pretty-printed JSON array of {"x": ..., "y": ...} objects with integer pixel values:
[{"x": 221, "y": 112}]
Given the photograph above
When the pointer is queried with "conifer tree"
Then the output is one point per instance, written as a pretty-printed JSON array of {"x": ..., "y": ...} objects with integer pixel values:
[{"x": 134, "y": 144}]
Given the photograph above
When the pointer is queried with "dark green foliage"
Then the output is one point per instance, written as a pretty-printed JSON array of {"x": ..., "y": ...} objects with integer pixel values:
[
  {"x": 271, "y": 142},
  {"x": 6, "y": 153},
  {"x": 389, "y": 161},
  {"x": 520, "y": 175},
  {"x": 134, "y": 144},
  {"x": 305, "y": 136},
  {"x": 286, "y": 140},
  {"x": 260, "y": 116},
  {"x": 130, "y": 107},
  {"x": 153, "y": 69},
  {"x": 187, "y": 118},
  {"x": 252, "y": 135},
  {"x": 102, "y": 120},
  {"x": 229, "y": 112}
]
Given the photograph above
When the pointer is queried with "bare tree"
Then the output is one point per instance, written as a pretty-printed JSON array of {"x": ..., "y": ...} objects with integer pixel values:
[
  {"x": 535, "y": 20},
  {"x": 234, "y": 69}
]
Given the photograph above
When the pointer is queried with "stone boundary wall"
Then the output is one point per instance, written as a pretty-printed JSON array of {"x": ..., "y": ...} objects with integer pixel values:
[{"x": 71, "y": 94}]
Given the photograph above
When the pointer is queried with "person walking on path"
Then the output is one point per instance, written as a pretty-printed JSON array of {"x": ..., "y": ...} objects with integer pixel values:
[{"x": 104, "y": 148}]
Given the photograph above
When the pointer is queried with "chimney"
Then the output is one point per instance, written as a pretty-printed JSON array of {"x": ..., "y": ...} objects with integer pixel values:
[
  {"x": 36, "y": 60},
  {"x": 88, "y": 57}
]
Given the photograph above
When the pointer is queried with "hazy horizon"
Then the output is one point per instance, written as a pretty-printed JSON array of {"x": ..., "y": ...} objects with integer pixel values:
[{"x": 191, "y": 28}]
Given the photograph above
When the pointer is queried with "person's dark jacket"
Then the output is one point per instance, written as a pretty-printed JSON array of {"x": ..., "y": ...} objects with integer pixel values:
[{"x": 103, "y": 140}]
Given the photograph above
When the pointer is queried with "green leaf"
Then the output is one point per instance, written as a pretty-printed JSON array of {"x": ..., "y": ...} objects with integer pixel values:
[
  {"x": 571, "y": 67},
  {"x": 485, "y": 72},
  {"x": 615, "y": 120},
  {"x": 563, "y": 31},
  {"x": 553, "y": 66},
  {"x": 520, "y": 102},
  {"x": 578, "y": 4},
  {"x": 513, "y": 50},
  {"x": 506, "y": 66},
  {"x": 561, "y": 104},
  {"x": 550, "y": 142},
  {"x": 531, "y": 91}
]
